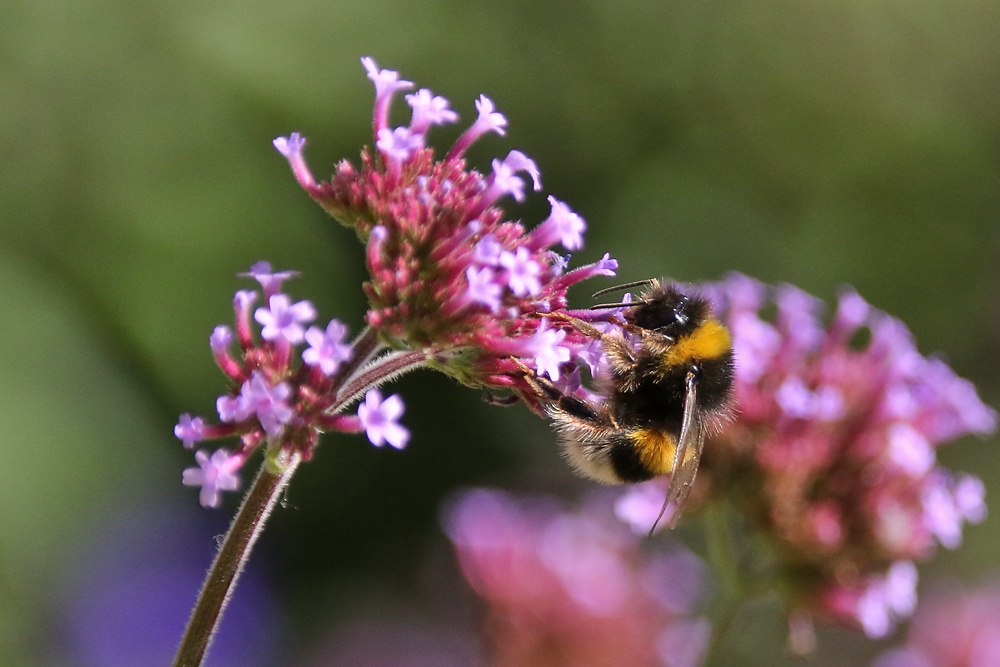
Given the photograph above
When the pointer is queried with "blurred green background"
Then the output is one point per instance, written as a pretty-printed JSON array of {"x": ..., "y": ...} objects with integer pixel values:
[{"x": 822, "y": 144}]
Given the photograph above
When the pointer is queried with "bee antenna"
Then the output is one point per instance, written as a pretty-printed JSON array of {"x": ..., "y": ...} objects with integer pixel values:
[
  {"x": 647, "y": 281},
  {"x": 663, "y": 510},
  {"x": 619, "y": 305}
]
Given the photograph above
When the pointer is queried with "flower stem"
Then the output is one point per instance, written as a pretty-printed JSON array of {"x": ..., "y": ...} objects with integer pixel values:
[
  {"x": 232, "y": 556},
  {"x": 724, "y": 560}
]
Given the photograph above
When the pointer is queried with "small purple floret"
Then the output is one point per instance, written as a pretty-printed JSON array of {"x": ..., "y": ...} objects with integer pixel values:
[
  {"x": 523, "y": 272},
  {"x": 548, "y": 351},
  {"x": 483, "y": 287},
  {"x": 381, "y": 419},
  {"x": 214, "y": 475},
  {"x": 429, "y": 109},
  {"x": 283, "y": 320},
  {"x": 398, "y": 145},
  {"x": 269, "y": 280},
  {"x": 189, "y": 430},
  {"x": 327, "y": 348}
]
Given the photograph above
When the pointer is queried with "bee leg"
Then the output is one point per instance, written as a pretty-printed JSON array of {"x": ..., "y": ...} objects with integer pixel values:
[
  {"x": 549, "y": 393},
  {"x": 497, "y": 399},
  {"x": 586, "y": 328}
]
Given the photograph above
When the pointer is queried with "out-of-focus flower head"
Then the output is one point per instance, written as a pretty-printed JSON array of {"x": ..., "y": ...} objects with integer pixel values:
[
  {"x": 832, "y": 450},
  {"x": 951, "y": 628},
  {"x": 447, "y": 271},
  {"x": 572, "y": 587},
  {"x": 281, "y": 400}
]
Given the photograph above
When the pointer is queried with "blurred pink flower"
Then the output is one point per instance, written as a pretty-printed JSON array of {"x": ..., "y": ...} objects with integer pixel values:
[{"x": 572, "y": 588}]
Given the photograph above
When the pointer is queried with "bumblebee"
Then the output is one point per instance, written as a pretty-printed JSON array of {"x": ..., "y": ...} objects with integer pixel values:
[{"x": 671, "y": 376}]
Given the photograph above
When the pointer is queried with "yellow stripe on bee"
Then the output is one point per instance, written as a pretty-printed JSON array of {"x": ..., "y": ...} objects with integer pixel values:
[
  {"x": 656, "y": 449},
  {"x": 709, "y": 341}
]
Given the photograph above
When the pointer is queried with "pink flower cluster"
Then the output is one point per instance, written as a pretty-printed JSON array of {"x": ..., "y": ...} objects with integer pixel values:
[
  {"x": 833, "y": 449},
  {"x": 951, "y": 628},
  {"x": 572, "y": 588},
  {"x": 447, "y": 271},
  {"x": 277, "y": 401}
]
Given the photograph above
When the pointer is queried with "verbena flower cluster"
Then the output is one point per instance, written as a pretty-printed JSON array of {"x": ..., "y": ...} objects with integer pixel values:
[
  {"x": 952, "y": 627},
  {"x": 279, "y": 398},
  {"x": 448, "y": 273},
  {"x": 453, "y": 286},
  {"x": 832, "y": 452},
  {"x": 573, "y": 588}
]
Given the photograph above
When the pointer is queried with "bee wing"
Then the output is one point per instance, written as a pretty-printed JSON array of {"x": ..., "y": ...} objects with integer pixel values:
[{"x": 687, "y": 456}]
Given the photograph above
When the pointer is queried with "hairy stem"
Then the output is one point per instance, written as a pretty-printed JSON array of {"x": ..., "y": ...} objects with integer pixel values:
[
  {"x": 232, "y": 557},
  {"x": 383, "y": 369}
]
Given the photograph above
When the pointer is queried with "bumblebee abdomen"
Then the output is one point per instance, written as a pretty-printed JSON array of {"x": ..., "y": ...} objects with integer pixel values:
[{"x": 642, "y": 454}]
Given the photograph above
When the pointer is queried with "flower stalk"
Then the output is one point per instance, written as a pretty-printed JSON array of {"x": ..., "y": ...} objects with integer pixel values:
[{"x": 272, "y": 478}]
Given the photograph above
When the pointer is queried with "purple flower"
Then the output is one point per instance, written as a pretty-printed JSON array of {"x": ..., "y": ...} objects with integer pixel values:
[
  {"x": 562, "y": 226},
  {"x": 398, "y": 145},
  {"x": 483, "y": 287},
  {"x": 213, "y": 475},
  {"x": 970, "y": 498},
  {"x": 548, "y": 351},
  {"x": 387, "y": 82},
  {"x": 429, "y": 109},
  {"x": 220, "y": 339},
  {"x": 487, "y": 251},
  {"x": 842, "y": 435},
  {"x": 269, "y": 403},
  {"x": 233, "y": 408},
  {"x": 283, "y": 320},
  {"x": 189, "y": 430},
  {"x": 909, "y": 449},
  {"x": 269, "y": 281},
  {"x": 380, "y": 419},
  {"x": 327, "y": 348},
  {"x": 489, "y": 120},
  {"x": 888, "y": 598},
  {"x": 523, "y": 272},
  {"x": 291, "y": 147},
  {"x": 504, "y": 180}
]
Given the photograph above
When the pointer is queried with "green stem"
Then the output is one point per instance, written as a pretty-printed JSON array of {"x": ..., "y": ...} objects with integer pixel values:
[
  {"x": 724, "y": 560},
  {"x": 232, "y": 556}
]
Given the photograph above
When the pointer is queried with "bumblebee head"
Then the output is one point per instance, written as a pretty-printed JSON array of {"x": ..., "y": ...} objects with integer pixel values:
[{"x": 668, "y": 312}]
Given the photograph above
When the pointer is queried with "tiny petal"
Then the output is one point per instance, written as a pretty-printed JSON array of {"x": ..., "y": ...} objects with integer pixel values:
[
  {"x": 523, "y": 272},
  {"x": 429, "y": 109},
  {"x": 942, "y": 516},
  {"x": 233, "y": 408},
  {"x": 291, "y": 147},
  {"x": 909, "y": 449},
  {"x": 380, "y": 419},
  {"x": 489, "y": 120},
  {"x": 487, "y": 251},
  {"x": 398, "y": 145},
  {"x": 562, "y": 226},
  {"x": 327, "y": 348},
  {"x": 548, "y": 351},
  {"x": 518, "y": 161},
  {"x": 270, "y": 281},
  {"x": 213, "y": 474},
  {"x": 901, "y": 588},
  {"x": 387, "y": 82},
  {"x": 220, "y": 339},
  {"x": 283, "y": 319},
  {"x": 794, "y": 398},
  {"x": 970, "y": 498},
  {"x": 505, "y": 181},
  {"x": 189, "y": 430},
  {"x": 269, "y": 403},
  {"x": 483, "y": 287}
]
